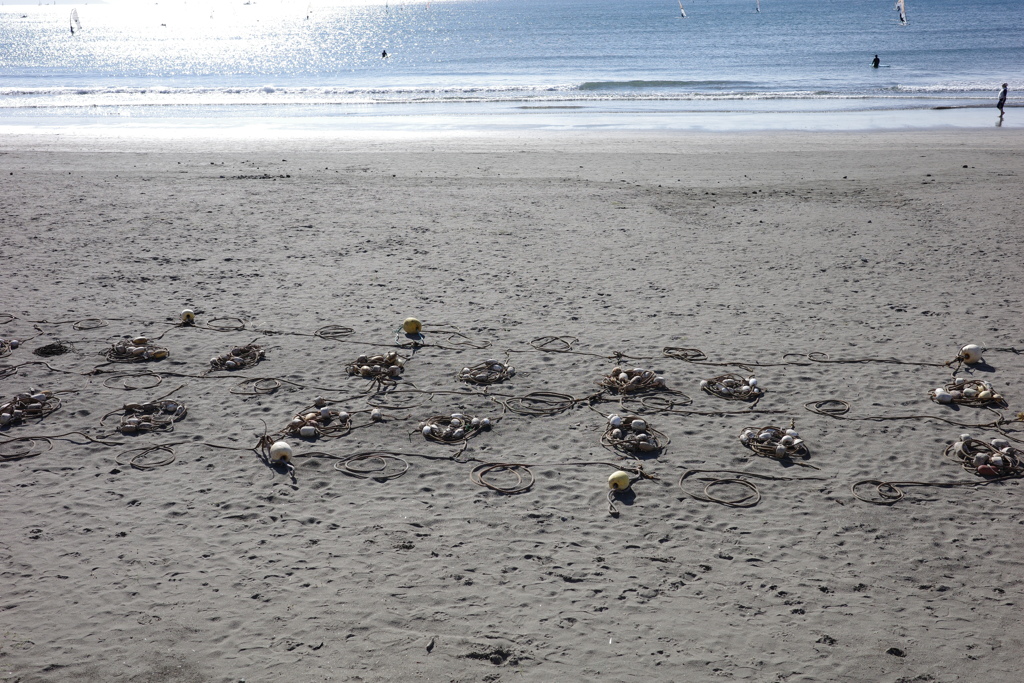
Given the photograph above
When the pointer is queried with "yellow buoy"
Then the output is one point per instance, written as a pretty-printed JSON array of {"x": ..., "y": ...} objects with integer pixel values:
[
  {"x": 619, "y": 481},
  {"x": 412, "y": 326}
]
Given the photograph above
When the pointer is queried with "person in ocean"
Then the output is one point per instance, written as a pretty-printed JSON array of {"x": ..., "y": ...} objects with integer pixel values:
[
  {"x": 1002, "y": 99},
  {"x": 384, "y": 54},
  {"x": 875, "y": 62}
]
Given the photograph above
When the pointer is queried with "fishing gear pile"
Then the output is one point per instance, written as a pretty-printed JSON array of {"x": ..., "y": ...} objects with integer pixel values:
[
  {"x": 21, "y": 407},
  {"x": 631, "y": 434},
  {"x": 489, "y": 372},
  {"x": 626, "y": 381},
  {"x": 968, "y": 392},
  {"x": 239, "y": 357},
  {"x": 155, "y": 416},
  {"x": 319, "y": 420},
  {"x": 774, "y": 442},
  {"x": 453, "y": 428},
  {"x": 986, "y": 459},
  {"x": 136, "y": 350},
  {"x": 381, "y": 369},
  {"x": 732, "y": 387},
  {"x": 8, "y": 345}
]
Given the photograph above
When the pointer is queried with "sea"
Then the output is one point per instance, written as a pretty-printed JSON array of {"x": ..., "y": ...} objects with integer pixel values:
[{"x": 277, "y": 67}]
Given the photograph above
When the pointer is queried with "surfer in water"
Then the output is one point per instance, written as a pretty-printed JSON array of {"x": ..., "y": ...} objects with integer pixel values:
[
  {"x": 384, "y": 54},
  {"x": 875, "y": 62},
  {"x": 1002, "y": 99}
]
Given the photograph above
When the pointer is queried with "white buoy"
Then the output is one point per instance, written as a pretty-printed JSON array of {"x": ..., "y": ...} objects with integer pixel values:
[
  {"x": 280, "y": 451},
  {"x": 971, "y": 354}
]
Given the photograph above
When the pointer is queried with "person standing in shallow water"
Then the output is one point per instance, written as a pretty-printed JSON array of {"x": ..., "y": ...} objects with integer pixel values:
[
  {"x": 875, "y": 62},
  {"x": 1002, "y": 99}
]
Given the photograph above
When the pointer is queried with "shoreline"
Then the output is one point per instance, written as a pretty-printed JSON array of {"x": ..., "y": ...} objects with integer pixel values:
[{"x": 500, "y": 119}]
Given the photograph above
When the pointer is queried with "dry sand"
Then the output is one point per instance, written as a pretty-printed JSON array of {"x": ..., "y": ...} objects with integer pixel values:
[{"x": 748, "y": 247}]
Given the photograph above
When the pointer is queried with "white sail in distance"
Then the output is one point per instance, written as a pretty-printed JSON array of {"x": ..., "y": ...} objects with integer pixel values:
[
  {"x": 901, "y": 8},
  {"x": 682, "y": 12},
  {"x": 76, "y": 25}
]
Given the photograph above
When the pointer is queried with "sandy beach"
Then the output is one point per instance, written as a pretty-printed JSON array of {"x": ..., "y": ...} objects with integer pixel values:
[{"x": 563, "y": 255}]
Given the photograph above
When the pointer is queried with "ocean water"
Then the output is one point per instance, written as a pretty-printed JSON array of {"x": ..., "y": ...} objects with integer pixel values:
[{"x": 456, "y": 64}]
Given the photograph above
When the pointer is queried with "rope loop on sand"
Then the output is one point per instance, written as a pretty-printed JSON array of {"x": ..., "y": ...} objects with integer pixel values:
[
  {"x": 749, "y": 499},
  {"x": 139, "y": 457},
  {"x": 377, "y": 465},
  {"x": 523, "y": 474},
  {"x": 125, "y": 384},
  {"x": 224, "y": 325},
  {"x": 34, "y": 447},
  {"x": 89, "y": 324},
  {"x": 539, "y": 404},
  {"x": 334, "y": 332}
]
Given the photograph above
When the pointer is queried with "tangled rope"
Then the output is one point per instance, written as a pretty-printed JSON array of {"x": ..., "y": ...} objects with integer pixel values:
[
  {"x": 733, "y": 388},
  {"x": 633, "y": 380},
  {"x": 238, "y": 358},
  {"x": 968, "y": 392},
  {"x": 136, "y": 350},
  {"x": 490, "y": 371},
  {"x": 57, "y": 348},
  {"x": 35, "y": 404},
  {"x": 751, "y": 498},
  {"x": 631, "y": 434}
]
